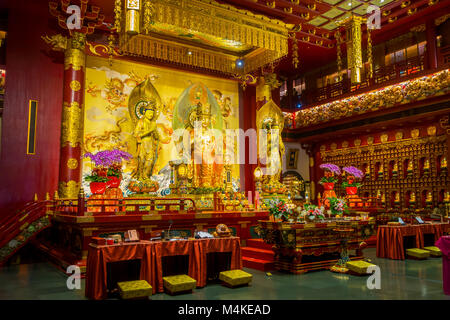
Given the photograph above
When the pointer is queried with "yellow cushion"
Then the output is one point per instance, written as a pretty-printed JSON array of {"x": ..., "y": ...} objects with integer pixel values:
[
  {"x": 134, "y": 289},
  {"x": 434, "y": 251},
  {"x": 418, "y": 253},
  {"x": 359, "y": 267},
  {"x": 235, "y": 277},
  {"x": 179, "y": 283}
]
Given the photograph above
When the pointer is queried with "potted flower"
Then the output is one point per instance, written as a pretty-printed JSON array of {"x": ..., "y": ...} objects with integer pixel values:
[
  {"x": 329, "y": 179},
  {"x": 351, "y": 185},
  {"x": 313, "y": 212},
  {"x": 110, "y": 161},
  {"x": 337, "y": 206},
  {"x": 98, "y": 181},
  {"x": 278, "y": 209}
]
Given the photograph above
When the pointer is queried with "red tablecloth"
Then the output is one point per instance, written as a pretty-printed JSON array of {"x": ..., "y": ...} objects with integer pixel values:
[
  {"x": 444, "y": 245},
  {"x": 151, "y": 254},
  {"x": 390, "y": 238}
]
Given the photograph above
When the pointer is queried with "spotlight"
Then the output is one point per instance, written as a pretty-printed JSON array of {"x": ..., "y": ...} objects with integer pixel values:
[
  {"x": 189, "y": 53},
  {"x": 239, "y": 63}
]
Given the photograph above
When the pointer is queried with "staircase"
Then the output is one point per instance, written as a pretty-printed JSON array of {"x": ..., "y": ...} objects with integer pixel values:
[
  {"x": 21, "y": 226},
  {"x": 258, "y": 255}
]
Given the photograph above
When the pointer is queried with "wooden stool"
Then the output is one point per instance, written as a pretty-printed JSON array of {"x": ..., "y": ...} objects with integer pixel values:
[
  {"x": 180, "y": 283},
  {"x": 358, "y": 267},
  {"x": 418, "y": 254},
  {"x": 234, "y": 278},
  {"x": 434, "y": 251},
  {"x": 134, "y": 289}
]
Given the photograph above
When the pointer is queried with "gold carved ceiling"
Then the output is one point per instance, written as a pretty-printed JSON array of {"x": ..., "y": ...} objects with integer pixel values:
[{"x": 202, "y": 33}]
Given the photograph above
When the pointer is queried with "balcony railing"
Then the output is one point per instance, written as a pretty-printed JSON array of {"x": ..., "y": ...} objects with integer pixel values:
[{"x": 380, "y": 75}]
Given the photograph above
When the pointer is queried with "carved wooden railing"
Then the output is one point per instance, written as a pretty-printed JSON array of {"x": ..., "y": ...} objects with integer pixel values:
[
  {"x": 381, "y": 75},
  {"x": 18, "y": 228},
  {"x": 131, "y": 206}
]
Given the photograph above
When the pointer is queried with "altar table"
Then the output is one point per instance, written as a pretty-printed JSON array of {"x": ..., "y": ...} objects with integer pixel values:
[
  {"x": 150, "y": 253},
  {"x": 390, "y": 238},
  {"x": 444, "y": 245}
]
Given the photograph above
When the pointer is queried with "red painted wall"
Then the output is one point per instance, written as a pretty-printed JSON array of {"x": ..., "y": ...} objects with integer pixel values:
[{"x": 30, "y": 74}]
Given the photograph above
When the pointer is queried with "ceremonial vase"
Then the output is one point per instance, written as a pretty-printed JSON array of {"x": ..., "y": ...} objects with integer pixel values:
[
  {"x": 351, "y": 190},
  {"x": 113, "y": 182},
  {"x": 328, "y": 185},
  {"x": 98, "y": 187}
]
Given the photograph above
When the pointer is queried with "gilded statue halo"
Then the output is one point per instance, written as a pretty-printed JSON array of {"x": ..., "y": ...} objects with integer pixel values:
[{"x": 143, "y": 97}]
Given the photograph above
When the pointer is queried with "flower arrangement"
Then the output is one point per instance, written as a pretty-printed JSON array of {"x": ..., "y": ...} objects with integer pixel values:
[
  {"x": 313, "y": 212},
  {"x": 353, "y": 173},
  {"x": 98, "y": 175},
  {"x": 332, "y": 167},
  {"x": 108, "y": 169},
  {"x": 108, "y": 158},
  {"x": 337, "y": 206},
  {"x": 278, "y": 208},
  {"x": 330, "y": 171}
]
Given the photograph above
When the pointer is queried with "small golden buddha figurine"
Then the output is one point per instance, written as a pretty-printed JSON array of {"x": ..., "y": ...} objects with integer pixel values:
[
  {"x": 397, "y": 198},
  {"x": 443, "y": 165},
  {"x": 447, "y": 196},
  {"x": 395, "y": 168},
  {"x": 383, "y": 199},
  {"x": 426, "y": 166},
  {"x": 380, "y": 171},
  {"x": 410, "y": 166},
  {"x": 429, "y": 197},
  {"x": 412, "y": 198}
]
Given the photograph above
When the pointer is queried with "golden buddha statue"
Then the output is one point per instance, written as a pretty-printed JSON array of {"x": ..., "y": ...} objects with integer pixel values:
[
  {"x": 147, "y": 142},
  {"x": 275, "y": 153},
  {"x": 144, "y": 105},
  {"x": 383, "y": 198},
  {"x": 207, "y": 173}
]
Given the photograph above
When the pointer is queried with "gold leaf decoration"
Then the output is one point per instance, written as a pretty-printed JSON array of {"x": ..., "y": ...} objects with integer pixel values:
[{"x": 72, "y": 125}]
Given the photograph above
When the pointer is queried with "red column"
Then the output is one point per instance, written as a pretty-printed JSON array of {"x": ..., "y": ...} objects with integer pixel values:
[
  {"x": 72, "y": 118},
  {"x": 249, "y": 121},
  {"x": 431, "y": 44}
]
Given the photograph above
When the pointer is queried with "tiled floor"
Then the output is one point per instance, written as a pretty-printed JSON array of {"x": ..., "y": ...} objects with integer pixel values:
[{"x": 407, "y": 279}]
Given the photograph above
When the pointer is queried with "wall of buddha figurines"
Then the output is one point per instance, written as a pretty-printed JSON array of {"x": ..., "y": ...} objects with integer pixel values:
[{"x": 405, "y": 169}]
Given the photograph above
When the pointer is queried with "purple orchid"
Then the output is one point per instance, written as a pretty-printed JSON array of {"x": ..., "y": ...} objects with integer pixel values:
[
  {"x": 332, "y": 167},
  {"x": 353, "y": 171},
  {"x": 108, "y": 157}
]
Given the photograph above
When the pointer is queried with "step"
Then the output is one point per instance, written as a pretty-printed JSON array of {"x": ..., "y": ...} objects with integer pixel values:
[
  {"x": 258, "y": 264},
  {"x": 250, "y": 252},
  {"x": 258, "y": 243}
]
